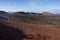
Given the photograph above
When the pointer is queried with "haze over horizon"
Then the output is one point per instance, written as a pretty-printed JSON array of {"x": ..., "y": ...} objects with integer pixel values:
[{"x": 30, "y": 5}]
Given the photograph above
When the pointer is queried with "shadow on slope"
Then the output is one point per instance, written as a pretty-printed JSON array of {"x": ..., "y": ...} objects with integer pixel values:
[{"x": 10, "y": 33}]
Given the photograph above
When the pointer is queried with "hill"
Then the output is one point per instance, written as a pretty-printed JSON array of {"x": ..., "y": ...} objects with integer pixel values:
[
  {"x": 3, "y": 15},
  {"x": 44, "y": 18},
  {"x": 38, "y": 18},
  {"x": 36, "y": 26},
  {"x": 36, "y": 31}
]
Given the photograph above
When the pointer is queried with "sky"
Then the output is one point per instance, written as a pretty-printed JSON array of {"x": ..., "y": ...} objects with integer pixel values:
[{"x": 30, "y": 5}]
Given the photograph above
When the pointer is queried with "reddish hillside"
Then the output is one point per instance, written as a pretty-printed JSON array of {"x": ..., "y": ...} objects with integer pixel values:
[{"x": 44, "y": 32}]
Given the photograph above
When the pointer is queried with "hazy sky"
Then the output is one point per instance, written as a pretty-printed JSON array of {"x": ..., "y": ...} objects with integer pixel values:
[{"x": 29, "y": 5}]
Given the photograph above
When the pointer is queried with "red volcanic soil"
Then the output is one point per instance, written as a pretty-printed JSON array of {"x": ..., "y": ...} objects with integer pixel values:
[{"x": 44, "y": 32}]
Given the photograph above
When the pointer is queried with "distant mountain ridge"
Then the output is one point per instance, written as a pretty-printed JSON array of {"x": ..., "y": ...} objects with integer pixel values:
[
  {"x": 27, "y": 13},
  {"x": 3, "y": 12},
  {"x": 32, "y": 13},
  {"x": 3, "y": 15},
  {"x": 31, "y": 17}
]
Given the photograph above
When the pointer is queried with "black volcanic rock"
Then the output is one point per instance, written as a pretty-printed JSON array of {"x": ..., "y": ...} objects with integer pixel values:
[{"x": 10, "y": 33}]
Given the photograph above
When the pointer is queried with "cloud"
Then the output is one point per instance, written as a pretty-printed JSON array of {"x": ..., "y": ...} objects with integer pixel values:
[
  {"x": 36, "y": 2},
  {"x": 33, "y": 4}
]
